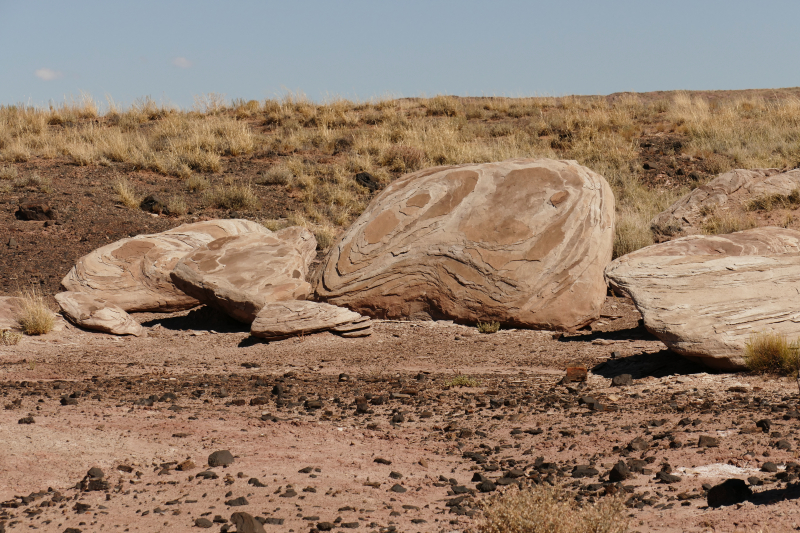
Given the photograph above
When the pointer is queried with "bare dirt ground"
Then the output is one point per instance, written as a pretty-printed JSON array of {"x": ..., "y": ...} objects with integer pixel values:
[{"x": 409, "y": 459}]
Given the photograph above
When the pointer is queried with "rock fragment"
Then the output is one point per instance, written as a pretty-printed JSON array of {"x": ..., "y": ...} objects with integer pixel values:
[{"x": 87, "y": 311}]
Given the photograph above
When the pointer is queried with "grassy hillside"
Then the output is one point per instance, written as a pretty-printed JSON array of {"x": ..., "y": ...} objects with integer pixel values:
[{"x": 651, "y": 147}]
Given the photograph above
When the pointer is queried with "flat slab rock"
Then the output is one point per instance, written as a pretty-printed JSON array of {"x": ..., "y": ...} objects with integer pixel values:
[
  {"x": 523, "y": 242},
  {"x": 285, "y": 319},
  {"x": 729, "y": 190},
  {"x": 10, "y": 308},
  {"x": 240, "y": 274},
  {"x": 133, "y": 273},
  {"x": 704, "y": 295},
  {"x": 94, "y": 313}
]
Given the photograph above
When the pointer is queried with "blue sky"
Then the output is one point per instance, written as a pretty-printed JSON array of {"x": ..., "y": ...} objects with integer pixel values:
[{"x": 172, "y": 51}]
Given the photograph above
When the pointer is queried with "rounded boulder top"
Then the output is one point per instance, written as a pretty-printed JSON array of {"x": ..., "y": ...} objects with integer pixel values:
[
  {"x": 523, "y": 242},
  {"x": 220, "y": 458}
]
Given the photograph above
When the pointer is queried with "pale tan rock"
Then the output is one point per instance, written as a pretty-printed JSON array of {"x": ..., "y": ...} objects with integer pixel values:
[
  {"x": 522, "y": 241},
  {"x": 294, "y": 317},
  {"x": 133, "y": 273},
  {"x": 704, "y": 295},
  {"x": 93, "y": 313},
  {"x": 10, "y": 309},
  {"x": 728, "y": 191},
  {"x": 240, "y": 274}
]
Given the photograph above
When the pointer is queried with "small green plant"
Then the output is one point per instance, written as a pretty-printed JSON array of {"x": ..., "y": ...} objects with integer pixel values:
[
  {"x": 488, "y": 327},
  {"x": 35, "y": 318},
  {"x": 463, "y": 381},
  {"x": 9, "y": 338},
  {"x": 545, "y": 509}
]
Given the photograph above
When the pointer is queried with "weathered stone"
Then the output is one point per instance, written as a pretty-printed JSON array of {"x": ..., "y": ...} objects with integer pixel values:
[
  {"x": 93, "y": 313},
  {"x": 246, "y": 523},
  {"x": 285, "y": 319},
  {"x": 522, "y": 242},
  {"x": 728, "y": 191},
  {"x": 10, "y": 309},
  {"x": 703, "y": 296},
  {"x": 133, "y": 273},
  {"x": 34, "y": 210},
  {"x": 240, "y": 274},
  {"x": 729, "y": 492},
  {"x": 220, "y": 458}
]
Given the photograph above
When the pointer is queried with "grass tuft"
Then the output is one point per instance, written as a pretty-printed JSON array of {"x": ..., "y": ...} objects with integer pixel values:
[
  {"x": 463, "y": 381},
  {"x": 127, "y": 194},
  {"x": 232, "y": 195},
  {"x": 721, "y": 224},
  {"x": 772, "y": 353},
  {"x": 488, "y": 327},
  {"x": 768, "y": 202},
  {"x": 35, "y": 318},
  {"x": 9, "y": 338},
  {"x": 544, "y": 509}
]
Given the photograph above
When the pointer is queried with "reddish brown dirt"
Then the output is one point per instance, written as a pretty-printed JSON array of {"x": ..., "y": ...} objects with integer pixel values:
[{"x": 228, "y": 396}]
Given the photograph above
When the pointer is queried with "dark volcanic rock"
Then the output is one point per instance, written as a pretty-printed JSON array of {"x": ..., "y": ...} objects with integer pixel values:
[
  {"x": 204, "y": 523},
  {"x": 220, "y": 458},
  {"x": 584, "y": 471},
  {"x": 245, "y": 523},
  {"x": 769, "y": 466},
  {"x": 34, "y": 210},
  {"x": 729, "y": 492},
  {"x": 619, "y": 472},
  {"x": 237, "y": 502},
  {"x": 706, "y": 441}
]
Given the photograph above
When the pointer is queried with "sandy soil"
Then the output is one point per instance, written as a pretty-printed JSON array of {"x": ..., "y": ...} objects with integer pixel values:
[{"x": 259, "y": 400}]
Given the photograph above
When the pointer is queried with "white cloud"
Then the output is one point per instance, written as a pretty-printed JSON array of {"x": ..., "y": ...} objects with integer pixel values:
[
  {"x": 48, "y": 74},
  {"x": 181, "y": 62}
]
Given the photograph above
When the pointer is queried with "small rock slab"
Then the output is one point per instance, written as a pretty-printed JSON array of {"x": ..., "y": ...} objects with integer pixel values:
[
  {"x": 704, "y": 295},
  {"x": 727, "y": 191},
  {"x": 34, "y": 210},
  {"x": 285, "y": 319},
  {"x": 240, "y": 274},
  {"x": 246, "y": 523},
  {"x": 134, "y": 273},
  {"x": 10, "y": 308},
  {"x": 90, "y": 312}
]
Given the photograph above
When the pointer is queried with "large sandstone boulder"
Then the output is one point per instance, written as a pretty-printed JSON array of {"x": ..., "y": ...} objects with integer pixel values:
[
  {"x": 133, "y": 273},
  {"x": 240, "y": 274},
  {"x": 704, "y": 295},
  {"x": 93, "y": 313},
  {"x": 280, "y": 320},
  {"x": 729, "y": 191},
  {"x": 522, "y": 241}
]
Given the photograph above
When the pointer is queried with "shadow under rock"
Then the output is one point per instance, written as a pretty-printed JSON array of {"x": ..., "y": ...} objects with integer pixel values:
[
  {"x": 657, "y": 365},
  {"x": 772, "y": 496},
  {"x": 639, "y": 333},
  {"x": 200, "y": 319}
]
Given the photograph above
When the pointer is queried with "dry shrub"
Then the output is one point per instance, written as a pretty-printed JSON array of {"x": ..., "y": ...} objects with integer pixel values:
[
  {"x": 34, "y": 181},
  {"x": 772, "y": 353},
  {"x": 35, "y": 318},
  {"x": 631, "y": 232},
  {"x": 232, "y": 195},
  {"x": 127, "y": 194},
  {"x": 176, "y": 205},
  {"x": 544, "y": 509},
  {"x": 325, "y": 236},
  {"x": 276, "y": 175},
  {"x": 9, "y": 338},
  {"x": 768, "y": 202},
  {"x": 447, "y": 106},
  {"x": 399, "y": 158},
  {"x": 197, "y": 183},
  {"x": 463, "y": 381},
  {"x": 727, "y": 222},
  {"x": 8, "y": 173},
  {"x": 488, "y": 327}
]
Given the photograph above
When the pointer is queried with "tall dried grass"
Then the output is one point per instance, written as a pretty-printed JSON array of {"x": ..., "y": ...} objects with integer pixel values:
[{"x": 389, "y": 137}]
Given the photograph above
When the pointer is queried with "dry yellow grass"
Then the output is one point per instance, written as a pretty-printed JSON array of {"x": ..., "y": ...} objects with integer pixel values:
[
  {"x": 767, "y": 352},
  {"x": 9, "y": 338},
  {"x": 35, "y": 318},
  {"x": 315, "y": 148},
  {"x": 548, "y": 509}
]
